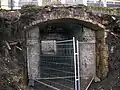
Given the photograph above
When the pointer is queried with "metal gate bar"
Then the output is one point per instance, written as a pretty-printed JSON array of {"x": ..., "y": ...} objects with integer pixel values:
[
  {"x": 57, "y": 77},
  {"x": 47, "y": 85},
  {"x": 60, "y": 84},
  {"x": 76, "y": 64}
]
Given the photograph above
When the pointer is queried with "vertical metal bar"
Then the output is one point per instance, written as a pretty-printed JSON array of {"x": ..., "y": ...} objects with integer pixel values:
[
  {"x": 95, "y": 58},
  {"x": 78, "y": 64},
  {"x": 75, "y": 63}
]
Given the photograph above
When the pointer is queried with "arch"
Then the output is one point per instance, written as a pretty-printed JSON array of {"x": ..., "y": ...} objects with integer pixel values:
[
  {"x": 77, "y": 21},
  {"x": 71, "y": 13},
  {"x": 85, "y": 19}
]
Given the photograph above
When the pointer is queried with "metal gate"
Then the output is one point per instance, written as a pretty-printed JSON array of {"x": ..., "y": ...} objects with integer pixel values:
[
  {"x": 59, "y": 65},
  {"x": 62, "y": 66}
]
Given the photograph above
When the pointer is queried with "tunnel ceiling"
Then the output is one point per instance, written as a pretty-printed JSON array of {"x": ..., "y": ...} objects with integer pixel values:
[{"x": 63, "y": 26}]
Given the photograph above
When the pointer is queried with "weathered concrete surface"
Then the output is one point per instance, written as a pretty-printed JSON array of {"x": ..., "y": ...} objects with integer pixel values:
[
  {"x": 88, "y": 54},
  {"x": 33, "y": 53}
]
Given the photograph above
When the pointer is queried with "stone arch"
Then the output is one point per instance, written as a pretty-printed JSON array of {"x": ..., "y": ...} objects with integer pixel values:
[
  {"x": 66, "y": 12},
  {"x": 84, "y": 18}
]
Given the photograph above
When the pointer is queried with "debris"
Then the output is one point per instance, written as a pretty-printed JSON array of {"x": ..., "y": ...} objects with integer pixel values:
[
  {"x": 13, "y": 43},
  {"x": 19, "y": 48},
  {"x": 96, "y": 79},
  {"x": 8, "y": 45},
  {"x": 113, "y": 18}
]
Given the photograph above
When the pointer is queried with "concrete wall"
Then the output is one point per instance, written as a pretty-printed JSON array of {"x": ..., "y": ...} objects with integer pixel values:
[
  {"x": 33, "y": 52},
  {"x": 88, "y": 54}
]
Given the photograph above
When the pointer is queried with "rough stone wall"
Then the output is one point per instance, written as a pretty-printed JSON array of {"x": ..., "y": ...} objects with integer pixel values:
[
  {"x": 51, "y": 13},
  {"x": 101, "y": 54},
  {"x": 112, "y": 81}
]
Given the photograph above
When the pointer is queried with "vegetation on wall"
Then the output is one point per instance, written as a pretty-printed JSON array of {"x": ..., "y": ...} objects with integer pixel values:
[{"x": 103, "y": 10}]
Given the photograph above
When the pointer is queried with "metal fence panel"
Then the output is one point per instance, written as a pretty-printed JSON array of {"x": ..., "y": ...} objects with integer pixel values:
[
  {"x": 57, "y": 65},
  {"x": 66, "y": 65}
]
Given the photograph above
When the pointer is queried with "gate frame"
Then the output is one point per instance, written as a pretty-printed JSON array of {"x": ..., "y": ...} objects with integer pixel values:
[{"x": 76, "y": 63}]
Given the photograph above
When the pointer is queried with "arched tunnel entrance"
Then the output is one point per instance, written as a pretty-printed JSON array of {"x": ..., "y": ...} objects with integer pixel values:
[{"x": 61, "y": 55}]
